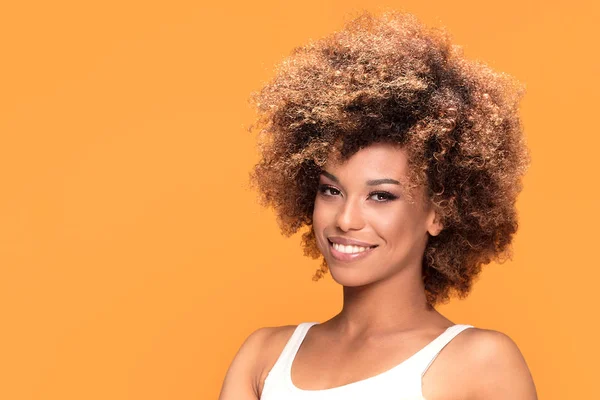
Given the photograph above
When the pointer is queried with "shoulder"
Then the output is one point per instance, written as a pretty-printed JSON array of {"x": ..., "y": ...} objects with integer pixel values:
[
  {"x": 496, "y": 366},
  {"x": 274, "y": 340},
  {"x": 265, "y": 344},
  {"x": 268, "y": 338},
  {"x": 271, "y": 340},
  {"x": 245, "y": 376}
]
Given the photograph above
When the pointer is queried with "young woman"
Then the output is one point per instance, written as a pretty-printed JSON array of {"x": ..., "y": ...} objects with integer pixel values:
[{"x": 403, "y": 160}]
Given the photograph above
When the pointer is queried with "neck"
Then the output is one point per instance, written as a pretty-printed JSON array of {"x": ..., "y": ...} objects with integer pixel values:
[{"x": 396, "y": 303}]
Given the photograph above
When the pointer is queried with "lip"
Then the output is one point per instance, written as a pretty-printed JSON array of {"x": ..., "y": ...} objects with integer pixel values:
[
  {"x": 348, "y": 242},
  {"x": 346, "y": 257}
]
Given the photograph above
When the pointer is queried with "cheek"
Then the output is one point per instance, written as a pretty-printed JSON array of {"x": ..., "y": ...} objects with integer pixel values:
[
  {"x": 395, "y": 226},
  {"x": 320, "y": 220},
  {"x": 384, "y": 219},
  {"x": 319, "y": 214}
]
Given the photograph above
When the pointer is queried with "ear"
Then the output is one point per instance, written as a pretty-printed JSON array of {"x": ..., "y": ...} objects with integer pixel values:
[{"x": 434, "y": 226}]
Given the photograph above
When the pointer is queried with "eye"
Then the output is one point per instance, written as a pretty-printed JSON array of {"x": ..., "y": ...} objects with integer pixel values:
[
  {"x": 382, "y": 197},
  {"x": 327, "y": 190}
]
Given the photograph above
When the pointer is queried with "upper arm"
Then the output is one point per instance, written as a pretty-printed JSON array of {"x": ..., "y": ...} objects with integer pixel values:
[
  {"x": 499, "y": 369},
  {"x": 240, "y": 382}
]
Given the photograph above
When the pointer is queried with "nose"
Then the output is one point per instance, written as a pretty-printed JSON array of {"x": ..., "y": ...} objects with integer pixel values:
[{"x": 350, "y": 216}]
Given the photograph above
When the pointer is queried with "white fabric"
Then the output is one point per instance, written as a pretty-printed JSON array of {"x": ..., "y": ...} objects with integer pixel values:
[{"x": 402, "y": 382}]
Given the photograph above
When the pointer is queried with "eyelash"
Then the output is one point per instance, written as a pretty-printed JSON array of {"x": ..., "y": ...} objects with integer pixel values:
[{"x": 388, "y": 195}]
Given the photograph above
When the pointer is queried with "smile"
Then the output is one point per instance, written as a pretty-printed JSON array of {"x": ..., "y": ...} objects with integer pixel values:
[
  {"x": 349, "y": 249},
  {"x": 349, "y": 253}
]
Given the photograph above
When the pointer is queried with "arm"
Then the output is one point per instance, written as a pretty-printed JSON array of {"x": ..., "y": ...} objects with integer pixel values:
[
  {"x": 241, "y": 380},
  {"x": 500, "y": 371}
]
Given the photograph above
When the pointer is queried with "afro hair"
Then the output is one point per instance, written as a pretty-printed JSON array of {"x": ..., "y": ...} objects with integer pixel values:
[{"x": 388, "y": 78}]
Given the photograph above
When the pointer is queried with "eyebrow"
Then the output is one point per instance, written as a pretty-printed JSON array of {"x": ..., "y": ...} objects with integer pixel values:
[{"x": 372, "y": 182}]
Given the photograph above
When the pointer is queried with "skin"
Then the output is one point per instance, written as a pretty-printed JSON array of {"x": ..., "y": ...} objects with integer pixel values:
[{"x": 384, "y": 318}]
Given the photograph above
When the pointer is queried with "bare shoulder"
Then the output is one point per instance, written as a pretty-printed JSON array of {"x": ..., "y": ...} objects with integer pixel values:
[
  {"x": 496, "y": 368},
  {"x": 256, "y": 356},
  {"x": 276, "y": 338}
]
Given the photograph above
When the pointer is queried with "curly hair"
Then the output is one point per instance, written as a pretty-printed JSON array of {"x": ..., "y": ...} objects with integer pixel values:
[{"x": 388, "y": 78}]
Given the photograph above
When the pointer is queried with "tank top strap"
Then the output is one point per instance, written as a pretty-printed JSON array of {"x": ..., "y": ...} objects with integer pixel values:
[
  {"x": 291, "y": 347},
  {"x": 428, "y": 354}
]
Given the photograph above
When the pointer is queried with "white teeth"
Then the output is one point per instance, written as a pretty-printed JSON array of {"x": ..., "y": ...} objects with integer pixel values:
[{"x": 349, "y": 249}]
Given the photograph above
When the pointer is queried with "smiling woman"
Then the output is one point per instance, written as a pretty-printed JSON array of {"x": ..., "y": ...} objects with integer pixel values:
[
  {"x": 360, "y": 214},
  {"x": 403, "y": 161}
]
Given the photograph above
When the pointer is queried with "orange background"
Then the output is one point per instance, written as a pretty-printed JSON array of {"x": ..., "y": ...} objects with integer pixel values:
[{"x": 134, "y": 258}]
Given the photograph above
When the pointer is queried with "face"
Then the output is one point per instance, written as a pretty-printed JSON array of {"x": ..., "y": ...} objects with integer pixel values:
[{"x": 365, "y": 225}]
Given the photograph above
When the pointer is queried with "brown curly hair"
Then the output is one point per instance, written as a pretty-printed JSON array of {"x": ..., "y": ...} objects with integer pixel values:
[{"x": 388, "y": 78}]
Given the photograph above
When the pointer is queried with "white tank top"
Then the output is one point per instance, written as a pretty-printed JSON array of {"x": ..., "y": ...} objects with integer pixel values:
[{"x": 402, "y": 382}]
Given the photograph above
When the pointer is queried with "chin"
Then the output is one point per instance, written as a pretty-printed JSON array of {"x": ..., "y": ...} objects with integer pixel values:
[{"x": 349, "y": 277}]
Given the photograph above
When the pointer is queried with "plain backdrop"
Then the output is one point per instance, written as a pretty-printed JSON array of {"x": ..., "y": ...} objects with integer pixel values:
[{"x": 134, "y": 258}]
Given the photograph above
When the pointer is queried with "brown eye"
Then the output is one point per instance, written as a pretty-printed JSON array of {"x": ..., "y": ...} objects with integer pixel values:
[
  {"x": 327, "y": 190},
  {"x": 382, "y": 197}
]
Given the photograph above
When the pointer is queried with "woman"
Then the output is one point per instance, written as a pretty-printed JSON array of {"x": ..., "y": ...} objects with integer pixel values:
[{"x": 403, "y": 160}]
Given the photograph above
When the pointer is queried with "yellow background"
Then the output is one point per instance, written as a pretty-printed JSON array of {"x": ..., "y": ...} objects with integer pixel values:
[{"x": 134, "y": 259}]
